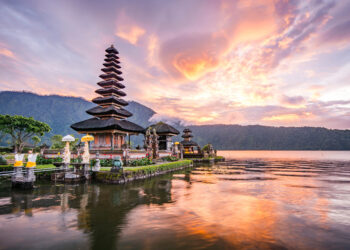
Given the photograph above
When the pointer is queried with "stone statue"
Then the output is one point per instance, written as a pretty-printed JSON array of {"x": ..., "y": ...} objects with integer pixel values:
[
  {"x": 97, "y": 166},
  {"x": 117, "y": 164},
  {"x": 155, "y": 144},
  {"x": 86, "y": 154},
  {"x": 148, "y": 140}
]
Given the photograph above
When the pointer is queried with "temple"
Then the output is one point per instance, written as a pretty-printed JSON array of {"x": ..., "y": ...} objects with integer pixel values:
[
  {"x": 188, "y": 145},
  {"x": 109, "y": 125},
  {"x": 165, "y": 133}
]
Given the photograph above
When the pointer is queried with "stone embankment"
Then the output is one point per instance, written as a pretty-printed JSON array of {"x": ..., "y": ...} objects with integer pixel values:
[{"x": 139, "y": 173}]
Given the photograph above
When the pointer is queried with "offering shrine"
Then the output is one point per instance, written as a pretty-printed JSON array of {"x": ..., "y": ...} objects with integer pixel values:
[{"x": 187, "y": 144}]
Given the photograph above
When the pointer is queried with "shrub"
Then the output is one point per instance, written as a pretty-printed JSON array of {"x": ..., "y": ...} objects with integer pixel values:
[
  {"x": 106, "y": 162},
  {"x": 161, "y": 167},
  {"x": 40, "y": 160},
  {"x": 2, "y": 161},
  {"x": 170, "y": 158},
  {"x": 6, "y": 149},
  {"x": 141, "y": 162}
]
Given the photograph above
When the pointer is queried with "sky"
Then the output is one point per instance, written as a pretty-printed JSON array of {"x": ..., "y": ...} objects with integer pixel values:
[{"x": 268, "y": 62}]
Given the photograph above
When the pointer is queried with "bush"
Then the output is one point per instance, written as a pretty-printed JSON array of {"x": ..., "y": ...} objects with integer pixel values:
[
  {"x": 106, "y": 162},
  {"x": 6, "y": 149},
  {"x": 40, "y": 160},
  {"x": 161, "y": 167},
  {"x": 2, "y": 161},
  {"x": 141, "y": 162},
  {"x": 170, "y": 158}
]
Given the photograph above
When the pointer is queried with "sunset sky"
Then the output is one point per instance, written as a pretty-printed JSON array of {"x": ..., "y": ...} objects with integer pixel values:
[{"x": 280, "y": 63}]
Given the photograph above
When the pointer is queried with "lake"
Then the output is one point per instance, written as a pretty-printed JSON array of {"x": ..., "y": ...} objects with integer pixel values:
[{"x": 254, "y": 200}]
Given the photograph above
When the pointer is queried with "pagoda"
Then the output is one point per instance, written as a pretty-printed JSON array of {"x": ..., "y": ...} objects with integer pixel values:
[
  {"x": 187, "y": 143},
  {"x": 165, "y": 133},
  {"x": 109, "y": 125}
]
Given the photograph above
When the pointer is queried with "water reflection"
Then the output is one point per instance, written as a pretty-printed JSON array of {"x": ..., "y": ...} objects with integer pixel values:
[{"x": 269, "y": 204}]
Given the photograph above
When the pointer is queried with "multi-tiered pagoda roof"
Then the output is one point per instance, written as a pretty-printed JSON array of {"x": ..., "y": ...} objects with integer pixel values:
[
  {"x": 110, "y": 113},
  {"x": 187, "y": 135}
]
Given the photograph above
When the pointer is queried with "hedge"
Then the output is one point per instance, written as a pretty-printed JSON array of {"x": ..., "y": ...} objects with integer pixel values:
[{"x": 136, "y": 171}]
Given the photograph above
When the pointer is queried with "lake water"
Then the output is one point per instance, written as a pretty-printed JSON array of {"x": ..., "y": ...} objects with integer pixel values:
[{"x": 254, "y": 200}]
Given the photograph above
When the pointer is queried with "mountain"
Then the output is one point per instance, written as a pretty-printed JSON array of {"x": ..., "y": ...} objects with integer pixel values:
[
  {"x": 60, "y": 112},
  {"x": 256, "y": 137}
]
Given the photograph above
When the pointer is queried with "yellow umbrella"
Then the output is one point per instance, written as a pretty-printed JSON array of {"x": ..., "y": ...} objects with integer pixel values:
[{"x": 87, "y": 138}]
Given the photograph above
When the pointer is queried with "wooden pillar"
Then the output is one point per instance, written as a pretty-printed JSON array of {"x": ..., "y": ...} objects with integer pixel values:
[
  {"x": 112, "y": 142},
  {"x": 129, "y": 140}
]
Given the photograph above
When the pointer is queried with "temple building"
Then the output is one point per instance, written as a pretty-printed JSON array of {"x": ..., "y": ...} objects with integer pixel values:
[
  {"x": 165, "y": 133},
  {"x": 109, "y": 125},
  {"x": 188, "y": 145}
]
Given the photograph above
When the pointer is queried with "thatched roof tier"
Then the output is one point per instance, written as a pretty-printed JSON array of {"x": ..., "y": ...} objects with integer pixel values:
[
  {"x": 189, "y": 143},
  {"x": 111, "y": 83},
  {"x": 187, "y": 136},
  {"x": 111, "y": 60},
  {"x": 96, "y": 124},
  {"x": 109, "y": 100},
  {"x": 111, "y": 49},
  {"x": 112, "y": 64},
  {"x": 164, "y": 129},
  {"x": 111, "y": 76},
  {"x": 187, "y": 130},
  {"x": 111, "y": 70},
  {"x": 110, "y": 110},
  {"x": 110, "y": 91},
  {"x": 112, "y": 56}
]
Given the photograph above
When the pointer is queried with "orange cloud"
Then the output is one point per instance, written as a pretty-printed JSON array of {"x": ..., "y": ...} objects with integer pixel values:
[
  {"x": 288, "y": 117},
  {"x": 7, "y": 53},
  {"x": 128, "y": 30},
  {"x": 193, "y": 67},
  {"x": 131, "y": 34}
]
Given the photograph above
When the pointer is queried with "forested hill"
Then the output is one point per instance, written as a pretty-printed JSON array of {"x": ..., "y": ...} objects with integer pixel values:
[
  {"x": 60, "y": 112},
  {"x": 257, "y": 137}
]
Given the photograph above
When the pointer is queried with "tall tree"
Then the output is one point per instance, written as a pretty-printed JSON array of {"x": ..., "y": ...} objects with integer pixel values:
[
  {"x": 21, "y": 129},
  {"x": 56, "y": 142},
  {"x": 36, "y": 140}
]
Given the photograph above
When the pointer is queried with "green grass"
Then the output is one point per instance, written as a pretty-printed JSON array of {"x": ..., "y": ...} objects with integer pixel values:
[
  {"x": 37, "y": 167},
  {"x": 45, "y": 166},
  {"x": 105, "y": 168}
]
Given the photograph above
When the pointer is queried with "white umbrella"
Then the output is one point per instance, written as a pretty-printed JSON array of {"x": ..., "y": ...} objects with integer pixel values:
[{"x": 68, "y": 138}]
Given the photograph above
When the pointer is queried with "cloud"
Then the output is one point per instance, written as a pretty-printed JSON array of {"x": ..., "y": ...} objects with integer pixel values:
[
  {"x": 293, "y": 101},
  {"x": 192, "y": 56},
  {"x": 171, "y": 120},
  {"x": 246, "y": 62},
  {"x": 7, "y": 53},
  {"x": 128, "y": 29}
]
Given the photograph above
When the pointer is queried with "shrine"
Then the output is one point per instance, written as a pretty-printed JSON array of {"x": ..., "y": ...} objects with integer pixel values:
[
  {"x": 187, "y": 144},
  {"x": 109, "y": 126},
  {"x": 165, "y": 133}
]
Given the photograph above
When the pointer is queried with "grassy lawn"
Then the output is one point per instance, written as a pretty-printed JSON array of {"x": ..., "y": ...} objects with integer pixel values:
[
  {"x": 45, "y": 166},
  {"x": 37, "y": 167}
]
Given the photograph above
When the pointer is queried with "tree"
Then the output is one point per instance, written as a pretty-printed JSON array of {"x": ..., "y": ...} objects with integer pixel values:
[
  {"x": 56, "y": 142},
  {"x": 36, "y": 140},
  {"x": 21, "y": 129}
]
